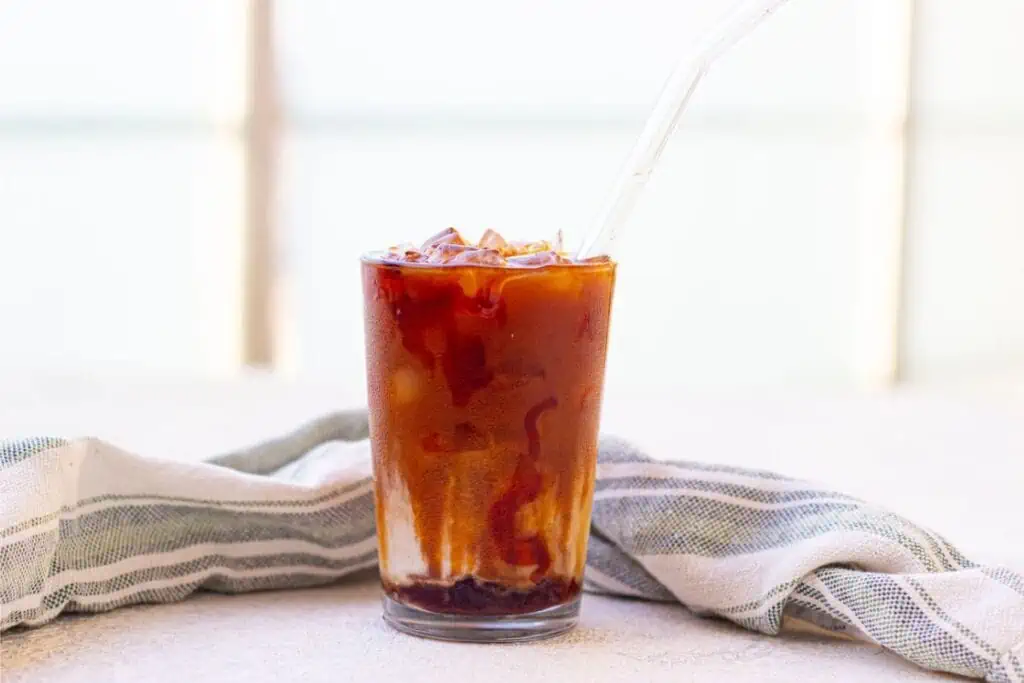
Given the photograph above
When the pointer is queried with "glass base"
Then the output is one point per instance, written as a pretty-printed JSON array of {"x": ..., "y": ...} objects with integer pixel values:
[{"x": 514, "y": 628}]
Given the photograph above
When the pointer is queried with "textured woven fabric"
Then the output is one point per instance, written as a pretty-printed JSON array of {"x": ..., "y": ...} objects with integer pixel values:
[{"x": 86, "y": 527}]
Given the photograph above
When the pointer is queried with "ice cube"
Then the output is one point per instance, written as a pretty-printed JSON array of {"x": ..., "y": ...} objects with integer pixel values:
[
  {"x": 492, "y": 240},
  {"x": 524, "y": 248},
  {"x": 414, "y": 256},
  {"x": 405, "y": 385},
  {"x": 478, "y": 257},
  {"x": 406, "y": 253},
  {"x": 446, "y": 236},
  {"x": 536, "y": 259},
  {"x": 445, "y": 253},
  {"x": 464, "y": 255}
]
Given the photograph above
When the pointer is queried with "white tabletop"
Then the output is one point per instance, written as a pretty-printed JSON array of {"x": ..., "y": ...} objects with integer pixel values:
[{"x": 954, "y": 464}]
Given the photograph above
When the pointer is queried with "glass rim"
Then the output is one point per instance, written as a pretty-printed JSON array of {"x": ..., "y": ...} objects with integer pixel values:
[{"x": 379, "y": 257}]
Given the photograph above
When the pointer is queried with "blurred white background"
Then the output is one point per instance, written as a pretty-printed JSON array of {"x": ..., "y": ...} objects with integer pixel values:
[{"x": 842, "y": 207}]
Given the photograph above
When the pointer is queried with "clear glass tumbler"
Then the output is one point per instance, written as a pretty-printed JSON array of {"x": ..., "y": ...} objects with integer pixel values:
[{"x": 485, "y": 390}]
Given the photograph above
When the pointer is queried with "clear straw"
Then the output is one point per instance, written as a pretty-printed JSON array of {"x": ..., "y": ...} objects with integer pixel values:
[{"x": 743, "y": 19}]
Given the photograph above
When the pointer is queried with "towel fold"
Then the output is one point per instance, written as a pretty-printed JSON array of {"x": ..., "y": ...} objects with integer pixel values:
[{"x": 87, "y": 527}]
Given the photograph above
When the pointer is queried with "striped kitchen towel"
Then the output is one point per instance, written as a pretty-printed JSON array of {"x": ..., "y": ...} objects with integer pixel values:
[{"x": 86, "y": 527}]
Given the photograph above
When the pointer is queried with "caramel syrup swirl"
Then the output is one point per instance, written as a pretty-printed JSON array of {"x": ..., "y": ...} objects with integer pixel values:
[
  {"x": 464, "y": 357},
  {"x": 516, "y": 549}
]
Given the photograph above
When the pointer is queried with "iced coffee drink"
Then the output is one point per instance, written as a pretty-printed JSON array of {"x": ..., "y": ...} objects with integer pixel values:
[{"x": 485, "y": 367}]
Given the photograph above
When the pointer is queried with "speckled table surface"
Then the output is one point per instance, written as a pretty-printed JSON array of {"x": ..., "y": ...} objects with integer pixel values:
[
  {"x": 955, "y": 464},
  {"x": 336, "y": 634}
]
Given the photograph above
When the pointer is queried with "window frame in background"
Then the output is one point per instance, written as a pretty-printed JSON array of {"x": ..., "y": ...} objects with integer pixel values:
[{"x": 882, "y": 288}]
